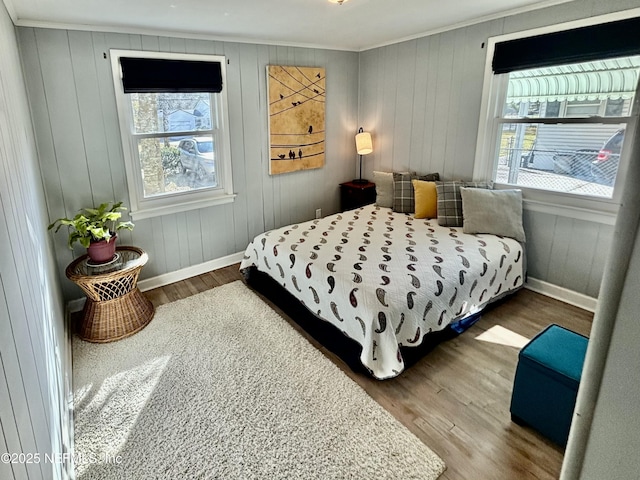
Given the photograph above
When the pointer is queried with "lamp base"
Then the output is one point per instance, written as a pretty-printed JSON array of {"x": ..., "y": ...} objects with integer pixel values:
[{"x": 360, "y": 181}]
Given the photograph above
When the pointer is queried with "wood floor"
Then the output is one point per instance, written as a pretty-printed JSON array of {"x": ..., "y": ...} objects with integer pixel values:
[{"x": 456, "y": 399}]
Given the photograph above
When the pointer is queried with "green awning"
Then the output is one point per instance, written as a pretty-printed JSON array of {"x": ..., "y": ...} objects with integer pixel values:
[{"x": 601, "y": 80}]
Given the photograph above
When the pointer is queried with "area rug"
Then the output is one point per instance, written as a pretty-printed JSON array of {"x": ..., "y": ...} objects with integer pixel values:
[{"x": 218, "y": 385}]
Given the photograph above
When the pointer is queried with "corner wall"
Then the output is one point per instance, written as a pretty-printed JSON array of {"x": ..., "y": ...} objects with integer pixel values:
[
  {"x": 33, "y": 342},
  {"x": 421, "y": 100},
  {"x": 70, "y": 87}
]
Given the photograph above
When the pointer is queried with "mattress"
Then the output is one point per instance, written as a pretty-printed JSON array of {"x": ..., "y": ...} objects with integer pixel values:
[{"x": 386, "y": 279}]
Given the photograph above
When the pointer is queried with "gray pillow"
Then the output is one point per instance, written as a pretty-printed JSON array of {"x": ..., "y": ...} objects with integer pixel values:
[
  {"x": 384, "y": 188},
  {"x": 403, "y": 194},
  {"x": 450, "y": 202},
  {"x": 493, "y": 211}
]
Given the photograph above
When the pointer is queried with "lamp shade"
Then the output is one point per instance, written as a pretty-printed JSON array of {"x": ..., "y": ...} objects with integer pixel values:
[{"x": 364, "y": 146}]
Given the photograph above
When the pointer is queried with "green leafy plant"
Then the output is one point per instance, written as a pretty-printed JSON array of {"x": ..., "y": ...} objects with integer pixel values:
[
  {"x": 94, "y": 224},
  {"x": 171, "y": 160}
]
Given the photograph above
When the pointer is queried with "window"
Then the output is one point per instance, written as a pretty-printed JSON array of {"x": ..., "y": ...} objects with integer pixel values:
[
  {"x": 563, "y": 153},
  {"x": 584, "y": 108},
  {"x": 560, "y": 116},
  {"x": 172, "y": 112}
]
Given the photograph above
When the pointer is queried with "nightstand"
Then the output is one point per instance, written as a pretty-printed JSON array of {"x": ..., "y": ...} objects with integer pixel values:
[
  {"x": 114, "y": 308},
  {"x": 355, "y": 195}
]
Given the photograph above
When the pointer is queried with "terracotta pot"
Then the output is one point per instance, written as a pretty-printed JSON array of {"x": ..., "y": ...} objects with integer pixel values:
[{"x": 102, "y": 251}]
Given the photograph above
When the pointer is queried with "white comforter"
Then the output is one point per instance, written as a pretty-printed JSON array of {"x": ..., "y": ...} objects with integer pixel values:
[{"x": 386, "y": 279}]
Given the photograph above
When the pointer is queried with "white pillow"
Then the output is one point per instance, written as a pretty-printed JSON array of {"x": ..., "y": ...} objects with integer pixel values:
[
  {"x": 384, "y": 188},
  {"x": 492, "y": 211}
]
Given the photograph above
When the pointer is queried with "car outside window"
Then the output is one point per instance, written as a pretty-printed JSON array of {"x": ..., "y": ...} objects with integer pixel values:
[{"x": 197, "y": 160}]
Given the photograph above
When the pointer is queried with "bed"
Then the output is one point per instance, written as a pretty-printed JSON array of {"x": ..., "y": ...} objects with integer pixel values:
[{"x": 385, "y": 279}]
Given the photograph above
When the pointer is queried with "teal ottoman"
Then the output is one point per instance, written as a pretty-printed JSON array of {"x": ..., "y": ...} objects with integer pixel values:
[{"x": 546, "y": 382}]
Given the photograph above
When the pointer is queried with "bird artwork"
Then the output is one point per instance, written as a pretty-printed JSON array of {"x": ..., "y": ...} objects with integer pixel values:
[{"x": 296, "y": 97}]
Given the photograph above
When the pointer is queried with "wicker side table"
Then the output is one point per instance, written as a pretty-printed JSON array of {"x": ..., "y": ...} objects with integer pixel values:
[{"x": 115, "y": 307}]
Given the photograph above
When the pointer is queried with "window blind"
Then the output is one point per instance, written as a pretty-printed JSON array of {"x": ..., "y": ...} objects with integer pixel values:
[
  {"x": 154, "y": 75},
  {"x": 585, "y": 44}
]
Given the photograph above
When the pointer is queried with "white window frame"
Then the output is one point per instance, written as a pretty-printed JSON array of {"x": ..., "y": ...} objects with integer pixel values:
[
  {"x": 599, "y": 104},
  {"x": 141, "y": 207},
  {"x": 584, "y": 207}
]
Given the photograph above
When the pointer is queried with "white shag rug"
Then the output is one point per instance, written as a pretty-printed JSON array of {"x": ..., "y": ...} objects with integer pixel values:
[{"x": 219, "y": 386}]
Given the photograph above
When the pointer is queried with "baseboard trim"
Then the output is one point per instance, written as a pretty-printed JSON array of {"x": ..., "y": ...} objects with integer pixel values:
[
  {"x": 192, "y": 271},
  {"x": 563, "y": 294},
  {"x": 172, "y": 277},
  {"x": 75, "y": 305}
]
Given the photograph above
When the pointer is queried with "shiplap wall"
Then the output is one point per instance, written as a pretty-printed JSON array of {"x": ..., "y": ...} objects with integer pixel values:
[
  {"x": 34, "y": 418},
  {"x": 73, "y": 106},
  {"x": 421, "y": 100}
]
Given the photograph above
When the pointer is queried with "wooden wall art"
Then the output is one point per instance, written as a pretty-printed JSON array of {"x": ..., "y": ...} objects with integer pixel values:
[{"x": 296, "y": 118}]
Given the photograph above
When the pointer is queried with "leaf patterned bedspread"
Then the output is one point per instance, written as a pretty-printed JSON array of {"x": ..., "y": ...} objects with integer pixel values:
[{"x": 386, "y": 279}]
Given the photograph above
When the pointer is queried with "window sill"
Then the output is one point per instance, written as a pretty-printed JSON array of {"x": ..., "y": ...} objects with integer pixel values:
[
  {"x": 181, "y": 207},
  {"x": 591, "y": 209},
  {"x": 580, "y": 207}
]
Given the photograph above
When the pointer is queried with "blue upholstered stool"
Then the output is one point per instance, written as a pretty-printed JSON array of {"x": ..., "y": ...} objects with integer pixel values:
[{"x": 546, "y": 382}]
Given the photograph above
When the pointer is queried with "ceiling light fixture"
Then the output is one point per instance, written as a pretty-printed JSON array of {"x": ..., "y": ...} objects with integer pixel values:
[{"x": 339, "y": 2}]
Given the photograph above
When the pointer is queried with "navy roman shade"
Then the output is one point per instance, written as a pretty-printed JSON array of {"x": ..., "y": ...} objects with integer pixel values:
[
  {"x": 154, "y": 75},
  {"x": 595, "y": 42}
]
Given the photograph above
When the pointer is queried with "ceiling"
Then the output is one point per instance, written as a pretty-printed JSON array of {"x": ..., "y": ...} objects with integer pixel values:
[{"x": 356, "y": 25}]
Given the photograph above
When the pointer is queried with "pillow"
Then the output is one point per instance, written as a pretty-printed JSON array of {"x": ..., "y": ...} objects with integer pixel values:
[
  {"x": 493, "y": 211},
  {"x": 403, "y": 196},
  {"x": 425, "y": 199},
  {"x": 450, "y": 203},
  {"x": 384, "y": 188}
]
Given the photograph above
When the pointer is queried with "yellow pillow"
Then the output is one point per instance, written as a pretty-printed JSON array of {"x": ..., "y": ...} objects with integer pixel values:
[{"x": 426, "y": 199}]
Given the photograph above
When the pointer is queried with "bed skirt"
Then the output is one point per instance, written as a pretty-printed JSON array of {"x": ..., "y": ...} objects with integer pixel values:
[{"x": 327, "y": 334}]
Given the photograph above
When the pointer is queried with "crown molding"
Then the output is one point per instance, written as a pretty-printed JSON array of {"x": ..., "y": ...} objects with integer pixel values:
[
  {"x": 23, "y": 22},
  {"x": 473, "y": 21},
  {"x": 11, "y": 10}
]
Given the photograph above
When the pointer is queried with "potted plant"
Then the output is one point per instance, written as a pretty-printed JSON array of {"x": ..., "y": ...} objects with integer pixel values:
[{"x": 95, "y": 229}]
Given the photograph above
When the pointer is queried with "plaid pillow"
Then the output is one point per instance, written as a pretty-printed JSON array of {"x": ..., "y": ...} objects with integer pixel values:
[
  {"x": 403, "y": 195},
  {"x": 450, "y": 202}
]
